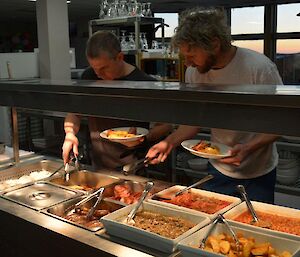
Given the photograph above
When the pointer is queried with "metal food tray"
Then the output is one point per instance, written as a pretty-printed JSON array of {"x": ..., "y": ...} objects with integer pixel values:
[
  {"x": 189, "y": 246},
  {"x": 58, "y": 210},
  {"x": 170, "y": 191},
  {"x": 114, "y": 226},
  {"x": 267, "y": 208},
  {"x": 40, "y": 195},
  {"x": 135, "y": 187},
  {"x": 27, "y": 168},
  {"x": 84, "y": 177}
]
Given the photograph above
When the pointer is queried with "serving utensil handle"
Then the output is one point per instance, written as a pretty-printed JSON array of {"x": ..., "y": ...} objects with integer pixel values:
[
  {"x": 201, "y": 181},
  {"x": 57, "y": 170},
  {"x": 244, "y": 195},
  {"x": 212, "y": 227}
]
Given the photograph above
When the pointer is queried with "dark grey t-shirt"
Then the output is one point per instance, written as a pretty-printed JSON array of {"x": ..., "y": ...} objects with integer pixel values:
[
  {"x": 106, "y": 154},
  {"x": 135, "y": 75}
]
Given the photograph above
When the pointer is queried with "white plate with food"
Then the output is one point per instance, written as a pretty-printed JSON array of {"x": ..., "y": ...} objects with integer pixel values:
[
  {"x": 124, "y": 134},
  {"x": 206, "y": 149}
]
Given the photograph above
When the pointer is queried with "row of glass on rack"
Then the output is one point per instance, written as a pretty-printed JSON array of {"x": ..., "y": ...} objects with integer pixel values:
[
  {"x": 128, "y": 41},
  {"x": 122, "y": 8}
]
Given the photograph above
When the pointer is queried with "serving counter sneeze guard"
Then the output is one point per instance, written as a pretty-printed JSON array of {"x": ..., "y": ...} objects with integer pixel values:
[
  {"x": 28, "y": 232},
  {"x": 238, "y": 107}
]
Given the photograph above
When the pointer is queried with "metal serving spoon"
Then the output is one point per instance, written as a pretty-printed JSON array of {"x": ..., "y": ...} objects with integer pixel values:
[{"x": 198, "y": 183}]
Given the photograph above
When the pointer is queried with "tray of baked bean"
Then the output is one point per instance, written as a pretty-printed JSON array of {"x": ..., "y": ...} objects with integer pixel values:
[
  {"x": 153, "y": 226},
  {"x": 273, "y": 219},
  {"x": 251, "y": 243},
  {"x": 196, "y": 201}
]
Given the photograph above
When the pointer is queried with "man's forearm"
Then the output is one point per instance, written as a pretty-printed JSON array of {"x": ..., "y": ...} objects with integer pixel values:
[
  {"x": 158, "y": 131},
  {"x": 72, "y": 123},
  {"x": 259, "y": 141},
  {"x": 183, "y": 132}
]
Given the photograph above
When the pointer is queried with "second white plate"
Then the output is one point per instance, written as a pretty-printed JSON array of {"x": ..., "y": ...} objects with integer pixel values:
[{"x": 224, "y": 149}]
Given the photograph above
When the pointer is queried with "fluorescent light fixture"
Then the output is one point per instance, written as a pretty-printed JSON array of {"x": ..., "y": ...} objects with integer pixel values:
[{"x": 68, "y": 1}]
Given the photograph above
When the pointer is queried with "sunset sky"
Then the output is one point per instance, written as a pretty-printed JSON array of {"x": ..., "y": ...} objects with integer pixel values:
[{"x": 251, "y": 20}]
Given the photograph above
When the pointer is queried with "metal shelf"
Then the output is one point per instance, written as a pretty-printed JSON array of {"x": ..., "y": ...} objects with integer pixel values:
[
  {"x": 135, "y": 21},
  {"x": 125, "y": 21},
  {"x": 293, "y": 147}
]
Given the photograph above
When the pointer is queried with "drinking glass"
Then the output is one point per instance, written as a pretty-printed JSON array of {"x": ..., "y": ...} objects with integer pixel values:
[
  {"x": 131, "y": 41},
  {"x": 154, "y": 44},
  {"x": 138, "y": 9},
  {"x": 144, "y": 41},
  {"x": 148, "y": 10},
  {"x": 123, "y": 10},
  {"x": 144, "y": 9}
]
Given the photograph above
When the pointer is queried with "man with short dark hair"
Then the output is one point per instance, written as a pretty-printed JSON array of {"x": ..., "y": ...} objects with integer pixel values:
[
  {"x": 106, "y": 61},
  {"x": 203, "y": 38}
]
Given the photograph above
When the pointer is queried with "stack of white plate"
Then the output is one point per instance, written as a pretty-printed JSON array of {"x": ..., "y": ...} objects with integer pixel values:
[
  {"x": 288, "y": 171},
  {"x": 198, "y": 164}
]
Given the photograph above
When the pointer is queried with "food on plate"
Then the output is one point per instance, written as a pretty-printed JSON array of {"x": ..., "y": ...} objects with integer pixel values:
[
  {"x": 125, "y": 194},
  {"x": 115, "y": 134},
  {"x": 79, "y": 216},
  {"x": 199, "y": 202},
  {"x": 206, "y": 147},
  {"x": 276, "y": 222},
  {"x": 81, "y": 187},
  {"x": 224, "y": 244},
  {"x": 163, "y": 225}
]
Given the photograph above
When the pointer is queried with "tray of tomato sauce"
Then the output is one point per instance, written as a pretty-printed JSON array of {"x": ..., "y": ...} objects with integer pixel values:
[
  {"x": 273, "y": 219},
  {"x": 196, "y": 201}
]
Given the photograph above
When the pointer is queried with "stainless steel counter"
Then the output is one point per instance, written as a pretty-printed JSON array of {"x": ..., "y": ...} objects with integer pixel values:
[
  {"x": 259, "y": 108},
  {"x": 26, "y": 232}
]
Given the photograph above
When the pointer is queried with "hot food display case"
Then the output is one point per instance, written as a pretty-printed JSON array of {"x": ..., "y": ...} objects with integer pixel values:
[{"x": 27, "y": 231}]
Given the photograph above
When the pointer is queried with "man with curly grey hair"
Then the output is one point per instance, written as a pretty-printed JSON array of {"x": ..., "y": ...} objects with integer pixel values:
[{"x": 203, "y": 38}]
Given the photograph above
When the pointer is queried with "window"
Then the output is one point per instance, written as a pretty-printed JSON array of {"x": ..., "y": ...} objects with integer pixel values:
[
  {"x": 287, "y": 19},
  {"x": 171, "y": 19},
  {"x": 256, "y": 45},
  {"x": 288, "y": 50},
  {"x": 288, "y": 60},
  {"x": 247, "y": 20}
]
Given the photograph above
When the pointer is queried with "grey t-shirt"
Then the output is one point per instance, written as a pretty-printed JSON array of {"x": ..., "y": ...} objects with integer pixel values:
[
  {"x": 247, "y": 67},
  {"x": 107, "y": 154}
]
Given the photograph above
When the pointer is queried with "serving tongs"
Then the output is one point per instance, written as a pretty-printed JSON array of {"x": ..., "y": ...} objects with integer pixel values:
[
  {"x": 85, "y": 200},
  {"x": 75, "y": 159},
  {"x": 220, "y": 218},
  {"x": 129, "y": 220},
  {"x": 99, "y": 199},
  {"x": 255, "y": 219},
  {"x": 133, "y": 167},
  {"x": 198, "y": 183}
]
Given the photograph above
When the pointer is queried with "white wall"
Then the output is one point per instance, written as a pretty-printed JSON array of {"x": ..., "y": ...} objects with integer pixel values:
[{"x": 22, "y": 65}]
